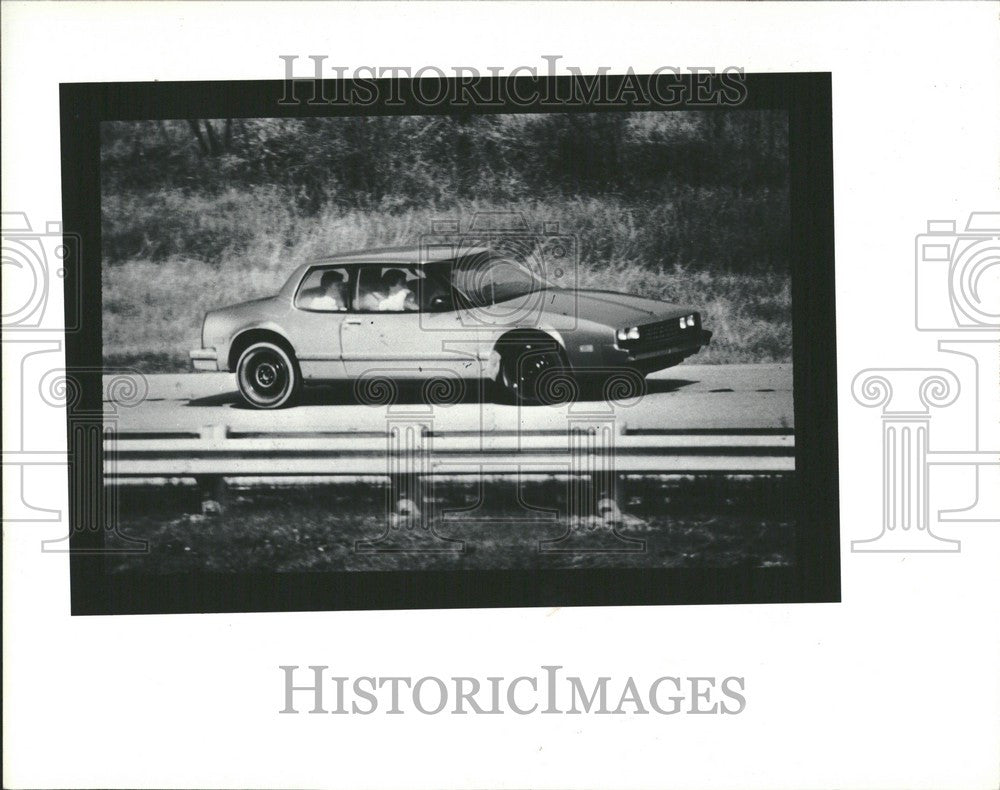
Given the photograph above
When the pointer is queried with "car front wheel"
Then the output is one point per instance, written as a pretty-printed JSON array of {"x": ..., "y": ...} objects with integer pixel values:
[
  {"x": 531, "y": 372},
  {"x": 268, "y": 376}
]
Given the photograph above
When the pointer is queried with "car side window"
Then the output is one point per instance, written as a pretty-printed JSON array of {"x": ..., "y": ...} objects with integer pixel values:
[
  {"x": 389, "y": 289},
  {"x": 436, "y": 293},
  {"x": 324, "y": 289},
  {"x": 510, "y": 278},
  {"x": 474, "y": 279}
]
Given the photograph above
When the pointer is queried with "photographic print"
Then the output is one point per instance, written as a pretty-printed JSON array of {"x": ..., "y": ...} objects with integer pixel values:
[
  {"x": 458, "y": 353},
  {"x": 470, "y": 395}
]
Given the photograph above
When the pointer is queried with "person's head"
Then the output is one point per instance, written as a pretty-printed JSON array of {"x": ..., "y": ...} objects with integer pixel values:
[
  {"x": 393, "y": 280},
  {"x": 331, "y": 279}
]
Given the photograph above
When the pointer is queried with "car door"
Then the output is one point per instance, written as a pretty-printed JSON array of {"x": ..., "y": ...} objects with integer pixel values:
[
  {"x": 386, "y": 335},
  {"x": 319, "y": 307}
]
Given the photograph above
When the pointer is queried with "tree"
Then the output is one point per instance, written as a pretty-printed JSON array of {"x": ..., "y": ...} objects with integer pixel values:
[{"x": 209, "y": 142}]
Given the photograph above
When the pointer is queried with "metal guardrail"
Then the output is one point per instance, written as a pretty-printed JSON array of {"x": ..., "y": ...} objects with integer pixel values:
[
  {"x": 597, "y": 455},
  {"x": 415, "y": 449}
]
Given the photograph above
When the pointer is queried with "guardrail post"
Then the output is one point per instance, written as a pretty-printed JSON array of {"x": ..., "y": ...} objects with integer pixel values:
[
  {"x": 409, "y": 500},
  {"x": 408, "y": 460},
  {"x": 214, "y": 433},
  {"x": 214, "y": 492},
  {"x": 594, "y": 517},
  {"x": 213, "y": 489}
]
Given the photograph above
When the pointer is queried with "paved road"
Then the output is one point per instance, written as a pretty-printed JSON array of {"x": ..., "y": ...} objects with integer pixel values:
[{"x": 687, "y": 397}]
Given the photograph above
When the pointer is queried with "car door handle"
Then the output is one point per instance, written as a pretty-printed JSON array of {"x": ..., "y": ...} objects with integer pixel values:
[{"x": 353, "y": 321}]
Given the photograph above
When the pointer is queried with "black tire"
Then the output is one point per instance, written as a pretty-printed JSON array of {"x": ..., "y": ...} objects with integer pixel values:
[
  {"x": 268, "y": 376},
  {"x": 523, "y": 362}
]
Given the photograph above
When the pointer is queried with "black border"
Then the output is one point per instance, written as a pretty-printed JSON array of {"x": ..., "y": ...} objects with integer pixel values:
[{"x": 816, "y": 575}]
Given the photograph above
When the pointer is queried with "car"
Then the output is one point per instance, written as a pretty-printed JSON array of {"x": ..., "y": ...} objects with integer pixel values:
[{"x": 480, "y": 315}]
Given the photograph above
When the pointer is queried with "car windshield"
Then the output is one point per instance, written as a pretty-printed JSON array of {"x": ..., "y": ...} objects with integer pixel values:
[{"x": 481, "y": 281}]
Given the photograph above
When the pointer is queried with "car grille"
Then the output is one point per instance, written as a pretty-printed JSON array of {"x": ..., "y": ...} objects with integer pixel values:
[{"x": 653, "y": 337}]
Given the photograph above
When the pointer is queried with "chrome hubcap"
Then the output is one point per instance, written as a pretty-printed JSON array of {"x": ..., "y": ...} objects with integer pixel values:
[
  {"x": 264, "y": 376},
  {"x": 525, "y": 367}
]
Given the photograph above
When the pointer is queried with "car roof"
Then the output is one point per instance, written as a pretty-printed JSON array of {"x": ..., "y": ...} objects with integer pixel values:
[{"x": 411, "y": 254}]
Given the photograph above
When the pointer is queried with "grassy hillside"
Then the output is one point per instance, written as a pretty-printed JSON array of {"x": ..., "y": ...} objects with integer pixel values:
[{"x": 677, "y": 206}]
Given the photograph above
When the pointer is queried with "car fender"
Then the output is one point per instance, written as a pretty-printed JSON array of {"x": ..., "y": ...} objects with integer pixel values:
[
  {"x": 252, "y": 326},
  {"x": 557, "y": 336},
  {"x": 548, "y": 329},
  {"x": 583, "y": 346}
]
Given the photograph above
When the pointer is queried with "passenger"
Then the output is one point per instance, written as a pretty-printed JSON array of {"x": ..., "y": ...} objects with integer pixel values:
[
  {"x": 398, "y": 296},
  {"x": 328, "y": 296},
  {"x": 369, "y": 300}
]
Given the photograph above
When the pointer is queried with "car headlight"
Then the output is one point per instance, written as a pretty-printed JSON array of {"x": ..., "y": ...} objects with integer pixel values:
[
  {"x": 633, "y": 333},
  {"x": 630, "y": 333},
  {"x": 686, "y": 321}
]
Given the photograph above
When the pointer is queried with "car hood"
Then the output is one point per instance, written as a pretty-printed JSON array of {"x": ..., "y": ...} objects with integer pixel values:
[{"x": 610, "y": 308}]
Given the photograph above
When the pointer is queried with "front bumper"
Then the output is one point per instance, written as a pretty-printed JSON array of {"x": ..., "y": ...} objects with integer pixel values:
[
  {"x": 687, "y": 345},
  {"x": 204, "y": 359},
  {"x": 667, "y": 355}
]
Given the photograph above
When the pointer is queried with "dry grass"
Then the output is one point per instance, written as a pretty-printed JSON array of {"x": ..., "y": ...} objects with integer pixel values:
[{"x": 685, "y": 522}]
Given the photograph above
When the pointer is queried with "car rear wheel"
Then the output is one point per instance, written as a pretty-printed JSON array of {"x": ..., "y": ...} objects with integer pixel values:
[
  {"x": 530, "y": 370},
  {"x": 268, "y": 376}
]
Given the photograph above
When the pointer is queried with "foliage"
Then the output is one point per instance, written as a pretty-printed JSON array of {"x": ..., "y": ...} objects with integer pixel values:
[{"x": 694, "y": 182}]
